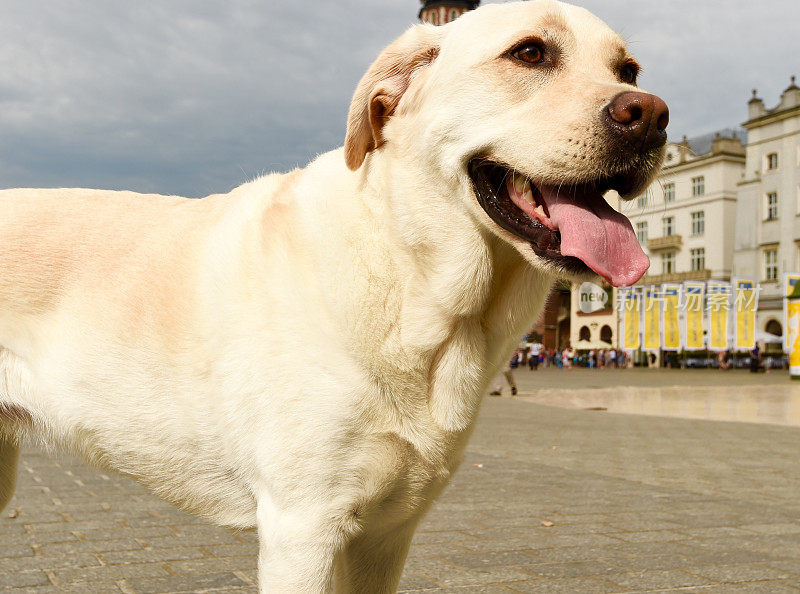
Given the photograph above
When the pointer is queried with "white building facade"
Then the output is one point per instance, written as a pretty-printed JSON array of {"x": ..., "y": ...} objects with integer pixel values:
[
  {"x": 768, "y": 219},
  {"x": 685, "y": 221},
  {"x": 720, "y": 209}
]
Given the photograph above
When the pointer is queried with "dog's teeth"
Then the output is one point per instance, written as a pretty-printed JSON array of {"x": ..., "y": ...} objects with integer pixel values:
[
  {"x": 540, "y": 210},
  {"x": 528, "y": 193}
]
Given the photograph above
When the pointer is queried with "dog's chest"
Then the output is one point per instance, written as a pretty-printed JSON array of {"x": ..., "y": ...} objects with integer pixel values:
[
  {"x": 413, "y": 454},
  {"x": 403, "y": 475}
]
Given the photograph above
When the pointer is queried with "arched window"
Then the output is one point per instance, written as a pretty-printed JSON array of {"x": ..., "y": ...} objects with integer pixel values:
[
  {"x": 774, "y": 327},
  {"x": 606, "y": 334},
  {"x": 584, "y": 333}
]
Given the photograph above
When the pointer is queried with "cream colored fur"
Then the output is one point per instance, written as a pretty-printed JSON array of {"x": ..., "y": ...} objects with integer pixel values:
[{"x": 306, "y": 354}]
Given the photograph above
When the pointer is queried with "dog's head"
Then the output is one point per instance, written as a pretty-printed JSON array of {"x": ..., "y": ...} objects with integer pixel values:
[{"x": 529, "y": 113}]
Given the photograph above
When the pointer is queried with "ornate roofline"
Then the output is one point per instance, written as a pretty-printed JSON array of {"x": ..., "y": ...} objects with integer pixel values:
[{"x": 468, "y": 4}]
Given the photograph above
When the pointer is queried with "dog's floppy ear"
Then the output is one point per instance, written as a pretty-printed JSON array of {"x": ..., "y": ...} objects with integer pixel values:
[{"x": 381, "y": 88}]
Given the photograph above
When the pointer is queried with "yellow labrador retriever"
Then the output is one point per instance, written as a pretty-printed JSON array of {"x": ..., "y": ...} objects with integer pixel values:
[{"x": 165, "y": 337}]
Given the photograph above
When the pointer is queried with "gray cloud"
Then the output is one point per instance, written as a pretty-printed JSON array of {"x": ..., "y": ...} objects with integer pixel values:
[{"x": 194, "y": 97}]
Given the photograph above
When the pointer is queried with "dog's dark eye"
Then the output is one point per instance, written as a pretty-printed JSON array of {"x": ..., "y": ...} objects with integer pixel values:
[
  {"x": 629, "y": 72},
  {"x": 530, "y": 53}
]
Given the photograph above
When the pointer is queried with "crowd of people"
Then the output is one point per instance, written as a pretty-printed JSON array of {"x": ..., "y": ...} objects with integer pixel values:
[{"x": 535, "y": 355}]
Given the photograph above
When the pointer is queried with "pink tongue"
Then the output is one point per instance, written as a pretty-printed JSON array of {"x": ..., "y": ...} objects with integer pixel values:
[{"x": 597, "y": 234}]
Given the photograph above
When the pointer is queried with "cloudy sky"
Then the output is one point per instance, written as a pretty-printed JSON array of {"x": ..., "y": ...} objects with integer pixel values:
[{"x": 198, "y": 96}]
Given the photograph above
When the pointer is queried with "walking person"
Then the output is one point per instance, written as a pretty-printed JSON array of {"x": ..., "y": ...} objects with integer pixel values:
[
  {"x": 509, "y": 376},
  {"x": 533, "y": 356},
  {"x": 567, "y": 357},
  {"x": 755, "y": 359}
]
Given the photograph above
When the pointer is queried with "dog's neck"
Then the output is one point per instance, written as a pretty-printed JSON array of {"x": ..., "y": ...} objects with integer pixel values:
[
  {"x": 465, "y": 269},
  {"x": 454, "y": 299}
]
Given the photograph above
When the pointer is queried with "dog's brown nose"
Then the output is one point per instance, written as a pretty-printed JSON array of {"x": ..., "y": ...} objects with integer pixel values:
[{"x": 640, "y": 118}]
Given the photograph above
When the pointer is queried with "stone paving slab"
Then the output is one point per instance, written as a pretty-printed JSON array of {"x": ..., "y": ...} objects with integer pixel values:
[{"x": 547, "y": 500}]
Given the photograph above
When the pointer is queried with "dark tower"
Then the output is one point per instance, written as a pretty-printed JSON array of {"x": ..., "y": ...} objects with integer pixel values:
[{"x": 439, "y": 12}]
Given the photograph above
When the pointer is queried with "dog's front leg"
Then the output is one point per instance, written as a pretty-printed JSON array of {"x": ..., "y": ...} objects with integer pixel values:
[
  {"x": 9, "y": 453},
  {"x": 296, "y": 550},
  {"x": 371, "y": 563}
]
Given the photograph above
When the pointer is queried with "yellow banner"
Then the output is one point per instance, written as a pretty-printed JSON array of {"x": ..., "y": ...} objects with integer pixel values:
[
  {"x": 718, "y": 308},
  {"x": 652, "y": 319},
  {"x": 670, "y": 298},
  {"x": 793, "y": 335},
  {"x": 631, "y": 312},
  {"x": 745, "y": 303},
  {"x": 694, "y": 293},
  {"x": 790, "y": 279}
]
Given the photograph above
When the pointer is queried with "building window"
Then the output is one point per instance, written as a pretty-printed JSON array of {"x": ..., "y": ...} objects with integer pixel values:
[
  {"x": 641, "y": 232},
  {"x": 669, "y": 226},
  {"x": 698, "y": 223},
  {"x": 668, "y": 263},
  {"x": 771, "y": 264},
  {"x": 642, "y": 201},
  {"x": 698, "y": 258},
  {"x": 606, "y": 334},
  {"x": 774, "y": 327},
  {"x": 584, "y": 333},
  {"x": 772, "y": 206},
  {"x": 669, "y": 192},
  {"x": 798, "y": 199},
  {"x": 772, "y": 161},
  {"x": 698, "y": 186}
]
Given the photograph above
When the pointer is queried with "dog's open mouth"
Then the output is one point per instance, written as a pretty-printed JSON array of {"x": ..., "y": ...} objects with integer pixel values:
[{"x": 571, "y": 225}]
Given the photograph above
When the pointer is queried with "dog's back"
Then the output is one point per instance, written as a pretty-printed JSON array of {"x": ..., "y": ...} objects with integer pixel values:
[
  {"x": 131, "y": 264},
  {"x": 54, "y": 240}
]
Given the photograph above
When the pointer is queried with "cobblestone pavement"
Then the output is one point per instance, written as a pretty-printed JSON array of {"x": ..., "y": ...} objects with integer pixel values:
[{"x": 547, "y": 500}]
